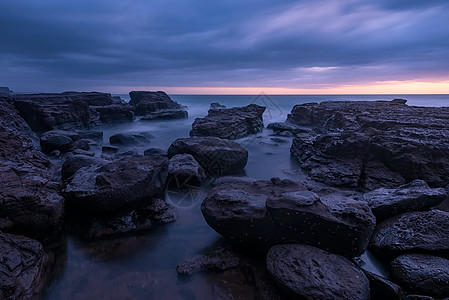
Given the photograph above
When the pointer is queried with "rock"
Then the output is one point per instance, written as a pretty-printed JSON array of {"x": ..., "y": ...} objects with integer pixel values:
[
  {"x": 23, "y": 265},
  {"x": 383, "y": 289},
  {"x": 128, "y": 139},
  {"x": 58, "y": 140},
  {"x": 216, "y": 105},
  {"x": 155, "y": 151},
  {"x": 373, "y": 144},
  {"x": 164, "y": 114},
  {"x": 232, "y": 123},
  {"x": 148, "y": 102},
  {"x": 184, "y": 170},
  {"x": 415, "y": 231},
  {"x": 81, "y": 145},
  {"x": 72, "y": 164},
  {"x": 116, "y": 113},
  {"x": 28, "y": 197},
  {"x": 310, "y": 273},
  {"x": 116, "y": 184},
  {"x": 95, "y": 135},
  {"x": 285, "y": 134},
  {"x": 422, "y": 273},
  {"x": 279, "y": 140},
  {"x": 5, "y": 90},
  {"x": 83, "y": 152},
  {"x": 220, "y": 259},
  {"x": 279, "y": 127},
  {"x": 410, "y": 197},
  {"x": 217, "y": 156},
  {"x": 110, "y": 150},
  {"x": 264, "y": 213}
]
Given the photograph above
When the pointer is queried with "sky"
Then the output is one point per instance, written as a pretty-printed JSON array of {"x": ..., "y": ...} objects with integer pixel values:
[{"x": 226, "y": 47}]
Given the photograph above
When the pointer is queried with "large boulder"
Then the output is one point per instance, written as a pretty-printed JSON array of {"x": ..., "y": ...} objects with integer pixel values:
[
  {"x": 232, "y": 123},
  {"x": 58, "y": 140},
  {"x": 23, "y": 264},
  {"x": 372, "y": 144},
  {"x": 426, "y": 231},
  {"x": 414, "y": 196},
  {"x": 116, "y": 113},
  {"x": 264, "y": 213},
  {"x": 217, "y": 156},
  {"x": 307, "y": 272},
  {"x": 116, "y": 184},
  {"x": 184, "y": 170},
  {"x": 422, "y": 273},
  {"x": 28, "y": 197},
  {"x": 146, "y": 102}
]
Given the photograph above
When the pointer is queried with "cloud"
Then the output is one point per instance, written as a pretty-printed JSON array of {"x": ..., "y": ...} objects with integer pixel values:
[{"x": 61, "y": 45}]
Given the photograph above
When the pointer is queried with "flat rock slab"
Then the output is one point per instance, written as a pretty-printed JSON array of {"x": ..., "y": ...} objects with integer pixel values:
[
  {"x": 23, "y": 265},
  {"x": 414, "y": 196},
  {"x": 422, "y": 274},
  {"x": 116, "y": 184},
  {"x": 307, "y": 272},
  {"x": 264, "y": 213},
  {"x": 415, "y": 231},
  {"x": 217, "y": 156},
  {"x": 231, "y": 123}
]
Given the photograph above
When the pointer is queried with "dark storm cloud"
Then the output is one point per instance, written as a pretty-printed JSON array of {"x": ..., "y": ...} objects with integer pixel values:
[{"x": 82, "y": 44}]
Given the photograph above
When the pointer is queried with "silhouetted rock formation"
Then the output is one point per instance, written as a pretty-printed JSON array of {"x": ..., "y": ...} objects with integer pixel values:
[
  {"x": 5, "y": 90},
  {"x": 156, "y": 105}
]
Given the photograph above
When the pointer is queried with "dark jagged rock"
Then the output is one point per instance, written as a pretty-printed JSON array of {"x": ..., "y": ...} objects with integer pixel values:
[
  {"x": 166, "y": 114},
  {"x": 155, "y": 151},
  {"x": 422, "y": 274},
  {"x": 216, "y": 105},
  {"x": 307, "y": 272},
  {"x": 373, "y": 144},
  {"x": 28, "y": 197},
  {"x": 76, "y": 162},
  {"x": 264, "y": 213},
  {"x": 415, "y": 231},
  {"x": 279, "y": 127},
  {"x": 410, "y": 197},
  {"x": 117, "y": 184},
  {"x": 231, "y": 123},
  {"x": 23, "y": 265},
  {"x": 129, "y": 139},
  {"x": 217, "y": 156},
  {"x": 116, "y": 113},
  {"x": 147, "y": 102},
  {"x": 184, "y": 170},
  {"x": 383, "y": 289}
]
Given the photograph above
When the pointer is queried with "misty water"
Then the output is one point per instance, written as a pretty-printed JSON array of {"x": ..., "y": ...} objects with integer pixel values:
[{"x": 143, "y": 266}]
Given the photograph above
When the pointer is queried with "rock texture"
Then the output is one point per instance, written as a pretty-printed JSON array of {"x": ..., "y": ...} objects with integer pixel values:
[
  {"x": 307, "y": 272},
  {"x": 422, "y": 274},
  {"x": 166, "y": 114},
  {"x": 153, "y": 103},
  {"x": 129, "y": 139},
  {"x": 415, "y": 231},
  {"x": 383, "y": 289},
  {"x": 264, "y": 213},
  {"x": 106, "y": 187},
  {"x": 232, "y": 123},
  {"x": 28, "y": 197},
  {"x": 184, "y": 170},
  {"x": 414, "y": 196},
  {"x": 372, "y": 144},
  {"x": 23, "y": 265},
  {"x": 217, "y": 156}
]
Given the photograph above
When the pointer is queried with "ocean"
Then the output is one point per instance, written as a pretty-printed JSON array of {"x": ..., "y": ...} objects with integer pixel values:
[{"x": 143, "y": 266}]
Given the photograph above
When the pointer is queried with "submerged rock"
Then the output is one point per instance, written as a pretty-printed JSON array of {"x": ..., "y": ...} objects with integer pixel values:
[
  {"x": 116, "y": 184},
  {"x": 231, "y": 123},
  {"x": 422, "y": 273},
  {"x": 415, "y": 231},
  {"x": 310, "y": 273},
  {"x": 410, "y": 197},
  {"x": 148, "y": 102},
  {"x": 264, "y": 213},
  {"x": 217, "y": 156},
  {"x": 23, "y": 264}
]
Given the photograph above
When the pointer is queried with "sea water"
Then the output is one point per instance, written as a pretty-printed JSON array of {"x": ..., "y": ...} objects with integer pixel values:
[{"x": 143, "y": 266}]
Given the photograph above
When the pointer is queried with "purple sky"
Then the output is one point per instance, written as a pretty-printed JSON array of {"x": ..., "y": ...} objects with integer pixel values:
[{"x": 111, "y": 45}]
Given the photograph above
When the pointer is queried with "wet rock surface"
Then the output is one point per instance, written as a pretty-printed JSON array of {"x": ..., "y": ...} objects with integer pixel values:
[
  {"x": 307, "y": 272},
  {"x": 383, "y": 289},
  {"x": 184, "y": 170},
  {"x": 116, "y": 184},
  {"x": 231, "y": 123},
  {"x": 150, "y": 102},
  {"x": 264, "y": 213},
  {"x": 372, "y": 144},
  {"x": 415, "y": 231},
  {"x": 166, "y": 114},
  {"x": 422, "y": 274},
  {"x": 23, "y": 265},
  {"x": 129, "y": 139},
  {"x": 217, "y": 156},
  {"x": 410, "y": 197}
]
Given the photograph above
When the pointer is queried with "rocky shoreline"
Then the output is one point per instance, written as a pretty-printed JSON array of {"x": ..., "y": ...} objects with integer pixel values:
[{"x": 378, "y": 172}]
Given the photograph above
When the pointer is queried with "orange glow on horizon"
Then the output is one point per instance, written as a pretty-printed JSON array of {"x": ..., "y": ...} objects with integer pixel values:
[{"x": 384, "y": 87}]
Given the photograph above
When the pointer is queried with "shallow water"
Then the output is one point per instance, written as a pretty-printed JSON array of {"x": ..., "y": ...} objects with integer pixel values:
[{"x": 143, "y": 266}]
